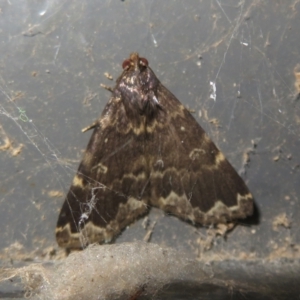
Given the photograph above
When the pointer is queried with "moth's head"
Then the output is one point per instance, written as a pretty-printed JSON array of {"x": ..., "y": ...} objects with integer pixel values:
[
  {"x": 135, "y": 63},
  {"x": 137, "y": 86}
]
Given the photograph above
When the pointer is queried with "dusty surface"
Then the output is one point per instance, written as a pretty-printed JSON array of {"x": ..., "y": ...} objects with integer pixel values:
[{"x": 235, "y": 64}]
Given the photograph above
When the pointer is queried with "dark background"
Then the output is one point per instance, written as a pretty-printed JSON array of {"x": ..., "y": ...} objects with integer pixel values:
[{"x": 53, "y": 58}]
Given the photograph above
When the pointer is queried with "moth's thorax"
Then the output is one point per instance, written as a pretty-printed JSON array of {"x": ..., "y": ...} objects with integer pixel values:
[{"x": 137, "y": 88}]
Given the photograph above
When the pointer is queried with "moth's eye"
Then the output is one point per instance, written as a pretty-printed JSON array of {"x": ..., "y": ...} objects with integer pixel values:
[
  {"x": 143, "y": 61},
  {"x": 126, "y": 64}
]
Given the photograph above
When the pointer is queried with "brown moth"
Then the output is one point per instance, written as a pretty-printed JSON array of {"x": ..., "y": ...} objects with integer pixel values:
[{"x": 147, "y": 150}]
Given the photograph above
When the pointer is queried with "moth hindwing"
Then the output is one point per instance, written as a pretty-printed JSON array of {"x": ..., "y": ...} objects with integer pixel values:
[{"x": 147, "y": 150}]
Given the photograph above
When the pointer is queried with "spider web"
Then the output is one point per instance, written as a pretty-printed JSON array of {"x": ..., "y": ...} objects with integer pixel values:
[{"x": 235, "y": 63}]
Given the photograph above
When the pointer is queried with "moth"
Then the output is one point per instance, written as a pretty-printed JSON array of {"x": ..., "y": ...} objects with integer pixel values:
[{"x": 147, "y": 150}]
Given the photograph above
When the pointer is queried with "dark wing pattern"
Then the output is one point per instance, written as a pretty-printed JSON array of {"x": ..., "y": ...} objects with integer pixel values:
[
  {"x": 147, "y": 149},
  {"x": 190, "y": 177},
  {"x": 109, "y": 189}
]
